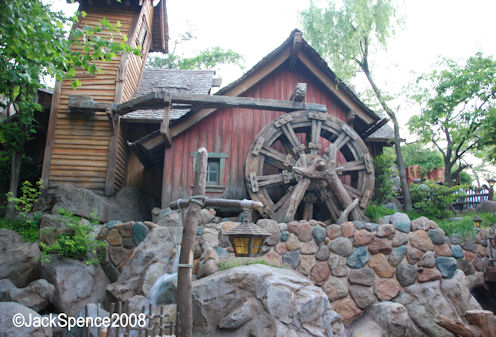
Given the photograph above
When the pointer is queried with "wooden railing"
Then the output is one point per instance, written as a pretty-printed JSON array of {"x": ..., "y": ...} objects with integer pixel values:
[{"x": 470, "y": 197}]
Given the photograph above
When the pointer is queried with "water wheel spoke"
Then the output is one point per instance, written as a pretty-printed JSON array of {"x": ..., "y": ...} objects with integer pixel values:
[
  {"x": 276, "y": 158},
  {"x": 353, "y": 192},
  {"x": 314, "y": 144},
  {"x": 288, "y": 209},
  {"x": 285, "y": 177},
  {"x": 351, "y": 166}
]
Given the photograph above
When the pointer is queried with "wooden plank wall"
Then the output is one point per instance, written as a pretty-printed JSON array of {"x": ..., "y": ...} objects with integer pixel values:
[
  {"x": 232, "y": 131},
  {"x": 80, "y": 144}
]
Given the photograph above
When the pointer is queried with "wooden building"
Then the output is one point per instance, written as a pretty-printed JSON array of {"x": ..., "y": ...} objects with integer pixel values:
[
  {"x": 90, "y": 150},
  {"x": 105, "y": 151}
]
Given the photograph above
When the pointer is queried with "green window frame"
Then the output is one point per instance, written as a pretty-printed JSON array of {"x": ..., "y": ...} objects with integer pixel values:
[{"x": 215, "y": 170}]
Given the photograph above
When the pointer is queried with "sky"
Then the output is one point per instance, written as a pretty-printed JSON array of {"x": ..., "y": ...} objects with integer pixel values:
[{"x": 431, "y": 29}]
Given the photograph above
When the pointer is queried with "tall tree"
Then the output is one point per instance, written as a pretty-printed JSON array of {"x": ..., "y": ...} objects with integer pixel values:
[
  {"x": 346, "y": 35},
  {"x": 205, "y": 59},
  {"x": 34, "y": 45},
  {"x": 459, "y": 110}
]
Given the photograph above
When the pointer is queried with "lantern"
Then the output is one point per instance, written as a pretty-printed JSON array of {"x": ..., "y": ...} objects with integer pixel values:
[
  {"x": 247, "y": 238},
  {"x": 477, "y": 221},
  {"x": 491, "y": 182}
]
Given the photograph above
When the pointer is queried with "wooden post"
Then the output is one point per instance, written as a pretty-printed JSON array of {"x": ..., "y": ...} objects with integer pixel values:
[{"x": 192, "y": 219}]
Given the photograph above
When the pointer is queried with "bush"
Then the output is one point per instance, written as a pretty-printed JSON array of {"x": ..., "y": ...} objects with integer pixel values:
[
  {"x": 375, "y": 212},
  {"x": 79, "y": 243},
  {"x": 27, "y": 228},
  {"x": 384, "y": 178},
  {"x": 434, "y": 200}
]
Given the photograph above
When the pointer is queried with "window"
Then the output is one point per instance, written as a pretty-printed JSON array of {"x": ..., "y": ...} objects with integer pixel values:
[{"x": 215, "y": 170}]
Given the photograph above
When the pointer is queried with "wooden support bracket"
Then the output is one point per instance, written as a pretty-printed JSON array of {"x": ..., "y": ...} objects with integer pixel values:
[{"x": 164, "y": 126}]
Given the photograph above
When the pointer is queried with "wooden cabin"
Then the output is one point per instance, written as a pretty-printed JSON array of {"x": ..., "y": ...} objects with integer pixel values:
[{"x": 90, "y": 150}]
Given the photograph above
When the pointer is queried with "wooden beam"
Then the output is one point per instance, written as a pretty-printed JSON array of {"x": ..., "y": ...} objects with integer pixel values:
[
  {"x": 295, "y": 49},
  {"x": 332, "y": 86},
  {"x": 155, "y": 100},
  {"x": 299, "y": 93},
  {"x": 374, "y": 127},
  {"x": 164, "y": 126}
]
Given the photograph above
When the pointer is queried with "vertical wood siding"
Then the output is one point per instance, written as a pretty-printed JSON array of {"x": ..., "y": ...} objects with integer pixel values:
[
  {"x": 232, "y": 131},
  {"x": 81, "y": 143}
]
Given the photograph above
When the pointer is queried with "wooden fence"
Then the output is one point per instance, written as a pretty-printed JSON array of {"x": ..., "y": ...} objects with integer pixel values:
[{"x": 470, "y": 197}]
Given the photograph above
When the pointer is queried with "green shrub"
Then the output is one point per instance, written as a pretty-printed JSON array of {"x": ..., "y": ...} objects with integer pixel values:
[
  {"x": 29, "y": 195},
  {"x": 384, "y": 178},
  {"x": 375, "y": 212},
  {"x": 27, "y": 228},
  {"x": 433, "y": 200},
  {"x": 418, "y": 154},
  {"x": 464, "y": 227},
  {"x": 77, "y": 243},
  {"x": 243, "y": 261}
]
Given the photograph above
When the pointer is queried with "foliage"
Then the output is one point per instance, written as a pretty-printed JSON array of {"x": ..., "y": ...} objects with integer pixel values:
[
  {"x": 29, "y": 196},
  {"x": 243, "y": 261},
  {"x": 78, "y": 243},
  {"x": 374, "y": 212},
  {"x": 384, "y": 178},
  {"x": 34, "y": 45},
  {"x": 205, "y": 59},
  {"x": 466, "y": 179},
  {"x": 459, "y": 108},
  {"x": 28, "y": 227},
  {"x": 434, "y": 200},
  {"x": 346, "y": 36},
  {"x": 418, "y": 154}
]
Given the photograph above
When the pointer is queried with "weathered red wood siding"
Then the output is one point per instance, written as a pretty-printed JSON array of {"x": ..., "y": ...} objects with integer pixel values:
[{"x": 232, "y": 131}]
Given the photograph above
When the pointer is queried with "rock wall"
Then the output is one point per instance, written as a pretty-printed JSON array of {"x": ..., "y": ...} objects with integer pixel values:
[{"x": 360, "y": 263}]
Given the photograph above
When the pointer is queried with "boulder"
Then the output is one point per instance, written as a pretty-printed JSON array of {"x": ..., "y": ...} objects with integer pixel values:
[
  {"x": 335, "y": 288},
  {"x": 75, "y": 282},
  {"x": 437, "y": 236},
  {"x": 7, "y": 327},
  {"x": 338, "y": 266},
  {"x": 341, "y": 246},
  {"x": 362, "y": 295},
  {"x": 420, "y": 239},
  {"x": 347, "y": 309},
  {"x": 379, "y": 245},
  {"x": 323, "y": 253},
  {"x": 333, "y": 231},
  {"x": 400, "y": 239},
  {"x": 168, "y": 218},
  {"x": 20, "y": 260},
  {"x": 397, "y": 255},
  {"x": 206, "y": 216},
  {"x": 6, "y": 286},
  {"x": 319, "y": 234},
  {"x": 306, "y": 264},
  {"x": 386, "y": 289},
  {"x": 348, "y": 229},
  {"x": 128, "y": 204},
  {"x": 446, "y": 265},
  {"x": 427, "y": 260},
  {"x": 386, "y": 231},
  {"x": 305, "y": 232},
  {"x": 364, "y": 276},
  {"x": 146, "y": 265},
  {"x": 362, "y": 237},
  {"x": 37, "y": 295},
  {"x": 358, "y": 258},
  {"x": 272, "y": 227},
  {"x": 406, "y": 274},
  {"x": 401, "y": 222},
  {"x": 487, "y": 206},
  {"x": 370, "y": 226},
  {"x": 51, "y": 226},
  {"x": 421, "y": 223},
  {"x": 258, "y": 300},
  {"x": 381, "y": 266},
  {"x": 291, "y": 258},
  {"x": 292, "y": 242},
  {"x": 455, "y": 291},
  {"x": 210, "y": 238}
]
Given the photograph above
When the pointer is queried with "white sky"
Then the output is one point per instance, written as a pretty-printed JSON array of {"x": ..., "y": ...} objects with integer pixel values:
[{"x": 432, "y": 28}]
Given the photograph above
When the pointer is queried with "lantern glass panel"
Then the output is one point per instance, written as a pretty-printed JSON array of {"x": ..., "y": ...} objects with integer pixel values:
[
  {"x": 241, "y": 245},
  {"x": 256, "y": 244}
]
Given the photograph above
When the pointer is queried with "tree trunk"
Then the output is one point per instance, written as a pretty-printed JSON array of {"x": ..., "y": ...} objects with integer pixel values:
[
  {"x": 448, "y": 175},
  {"x": 397, "y": 139},
  {"x": 15, "y": 169}
]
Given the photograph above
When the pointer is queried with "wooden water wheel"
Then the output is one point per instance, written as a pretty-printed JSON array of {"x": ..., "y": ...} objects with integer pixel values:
[{"x": 310, "y": 165}]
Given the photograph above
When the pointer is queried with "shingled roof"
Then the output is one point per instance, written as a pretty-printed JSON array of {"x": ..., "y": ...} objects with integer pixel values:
[{"x": 173, "y": 80}]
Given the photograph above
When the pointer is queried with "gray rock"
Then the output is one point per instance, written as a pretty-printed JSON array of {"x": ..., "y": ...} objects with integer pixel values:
[
  {"x": 470, "y": 246},
  {"x": 37, "y": 295},
  {"x": 335, "y": 288},
  {"x": 338, "y": 266},
  {"x": 51, "y": 226},
  {"x": 424, "y": 301},
  {"x": 146, "y": 264},
  {"x": 291, "y": 258},
  {"x": 206, "y": 216},
  {"x": 208, "y": 268},
  {"x": 341, "y": 246},
  {"x": 437, "y": 236},
  {"x": 457, "y": 252},
  {"x": 168, "y": 218},
  {"x": 487, "y": 206},
  {"x": 427, "y": 260},
  {"x": 127, "y": 205},
  {"x": 364, "y": 276},
  {"x": 421, "y": 223},
  {"x": 20, "y": 260},
  {"x": 8, "y": 329},
  {"x": 358, "y": 258},
  {"x": 76, "y": 283},
  {"x": 406, "y": 274},
  {"x": 465, "y": 266},
  {"x": 400, "y": 239},
  {"x": 362, "y": 295},
  {"x": 272, "y": 227},
  {"x": 456, "y": 239},
  {"x": 385, "y": 319},
  {"x": 370, "y": 226},
  {"x": 259, "y": 300},
  {"x": 397, "y": 255},
  {"x": 210, "y": 238},
  {"x": 455, "y": 291},
  {"x": 94, "y": 310},
  {"x": 319, "y": 234},
  {"x": 6, "y": 286},
  {"x": 323, "y": 253},
  {"x": 391, "y": 205},
  {"x": 401, "y": 222},
  {"x": 386, "y": 231},
  {"x": 446, "y": 265}
]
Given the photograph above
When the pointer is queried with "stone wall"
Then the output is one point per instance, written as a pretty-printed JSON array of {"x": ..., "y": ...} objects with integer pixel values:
[{"x": 359, "y": 263}]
